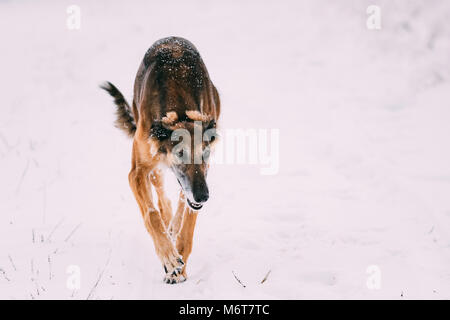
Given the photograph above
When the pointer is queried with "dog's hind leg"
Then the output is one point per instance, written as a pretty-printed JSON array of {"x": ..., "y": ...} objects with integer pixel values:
[{"x": 165, "y": 208}]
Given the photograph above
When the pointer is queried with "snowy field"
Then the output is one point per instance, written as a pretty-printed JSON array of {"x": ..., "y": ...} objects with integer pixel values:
[{"x": 360, "y": 207}]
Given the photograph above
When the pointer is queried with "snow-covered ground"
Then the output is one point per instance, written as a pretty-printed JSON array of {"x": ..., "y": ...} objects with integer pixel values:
[{"x": 362, "y": 195}]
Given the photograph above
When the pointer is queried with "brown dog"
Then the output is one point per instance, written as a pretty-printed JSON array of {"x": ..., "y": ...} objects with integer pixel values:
[{"x": 174, "y": 98}]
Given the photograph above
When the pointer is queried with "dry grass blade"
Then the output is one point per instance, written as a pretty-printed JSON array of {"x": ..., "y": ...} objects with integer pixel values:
[
  {"x": 265, "y": 278},
  {"x": 238, "y": 280}
]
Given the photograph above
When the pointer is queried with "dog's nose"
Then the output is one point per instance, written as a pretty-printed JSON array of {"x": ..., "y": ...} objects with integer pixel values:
[{"x": 201, "y": 197}]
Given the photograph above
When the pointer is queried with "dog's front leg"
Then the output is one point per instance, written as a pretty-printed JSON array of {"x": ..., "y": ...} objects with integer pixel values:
[
  {"x": 165, "y": 208},
  {"x": 177, "y": 220},
  {"x": 186, "y": 235},
  {"x": 182, "y": 229},
  {"x": 165, "y": 249}
]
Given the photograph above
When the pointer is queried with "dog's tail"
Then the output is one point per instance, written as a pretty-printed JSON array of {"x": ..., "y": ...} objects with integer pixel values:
[{"x": 125, "y": 119}]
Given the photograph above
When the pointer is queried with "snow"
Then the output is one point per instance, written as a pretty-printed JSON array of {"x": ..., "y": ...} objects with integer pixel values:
[{"x": 364, "y": 176}]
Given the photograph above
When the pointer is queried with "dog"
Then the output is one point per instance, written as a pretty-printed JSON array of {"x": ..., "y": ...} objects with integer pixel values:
[{"x": 174, "y": 100}]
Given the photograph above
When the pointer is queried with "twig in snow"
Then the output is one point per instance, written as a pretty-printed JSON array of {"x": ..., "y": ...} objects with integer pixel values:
[
  {"x": 265, "y": 278},
  {"x": 4, "y": 274},
  {"x": 54, "y": 229},
  {"x": 34, "y": 272},
  {"x": 37, "y": 288},
  {"x": 5, "y": 142},
  {"x": 12, "y": 262},
  {"x": 23, "y": 176},
  {"x": 44, "y": 204},
  {"x": 100, "y": 276},
  {"x": 73, "y": 231},
  {"x": 49, "y": 268},
  {"x": 240, "y": 282}
]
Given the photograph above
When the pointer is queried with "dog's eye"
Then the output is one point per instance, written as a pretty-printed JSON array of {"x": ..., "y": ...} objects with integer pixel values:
[
  {"x": 212, "y": 139},
  {"x": 180, "y": 154}
]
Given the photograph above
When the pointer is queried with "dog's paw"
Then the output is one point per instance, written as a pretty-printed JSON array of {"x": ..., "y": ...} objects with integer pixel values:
[
  {"x": 174, "y": 277},
  {"x": 173, "y": 264}
]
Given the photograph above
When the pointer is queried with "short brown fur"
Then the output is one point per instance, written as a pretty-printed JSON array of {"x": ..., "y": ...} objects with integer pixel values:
[{"x": 172, "y": 90}]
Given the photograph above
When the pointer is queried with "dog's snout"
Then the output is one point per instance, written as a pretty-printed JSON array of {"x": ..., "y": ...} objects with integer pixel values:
[
  {"x": 200, "y": 190},
  {"x": 201, "y": 196}
]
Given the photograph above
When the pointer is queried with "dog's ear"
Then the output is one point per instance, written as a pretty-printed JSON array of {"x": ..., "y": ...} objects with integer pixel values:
[{"x": 159, "y": 131}]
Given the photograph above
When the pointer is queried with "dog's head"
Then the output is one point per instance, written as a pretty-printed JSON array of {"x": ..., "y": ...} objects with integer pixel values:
[{"x": 186, "y": 145}]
